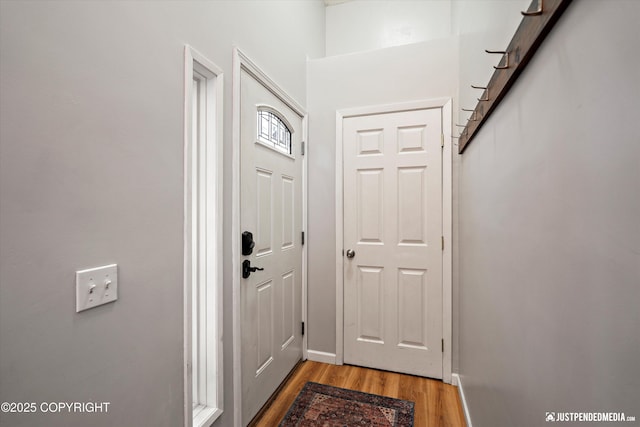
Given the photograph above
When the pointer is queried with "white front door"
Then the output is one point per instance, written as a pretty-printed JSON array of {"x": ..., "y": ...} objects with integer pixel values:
[
  {"x": 270, "y": 209},
  {"x": 392, "y": 241}
]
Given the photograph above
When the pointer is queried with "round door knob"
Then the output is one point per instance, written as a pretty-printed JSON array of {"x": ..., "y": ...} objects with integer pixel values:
[{"x": 350, "y": 253}]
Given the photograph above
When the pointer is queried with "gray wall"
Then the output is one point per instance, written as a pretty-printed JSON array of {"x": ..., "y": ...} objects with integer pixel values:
[
  {"x": 550, "y": 230},
  {"x": 359, "y": 26},
  {"x": 420, "y": 71},
  {"x": 91, "y": 173}
]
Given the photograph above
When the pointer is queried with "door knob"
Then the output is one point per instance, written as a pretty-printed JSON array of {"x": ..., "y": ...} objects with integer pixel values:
[
  {"x": 350, "y": 253},
  {"x": 247, "y": 269}
]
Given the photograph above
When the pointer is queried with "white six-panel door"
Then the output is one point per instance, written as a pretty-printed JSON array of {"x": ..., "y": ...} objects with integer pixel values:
[
  {"x": 271, "y": 209},
  {"x": 393, "y": 228}
]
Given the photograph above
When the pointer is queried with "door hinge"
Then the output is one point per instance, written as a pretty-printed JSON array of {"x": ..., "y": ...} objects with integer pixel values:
[
  {"x": 302, "y": 148},
  {"x": 442, "y": 345},
  {"x": 303, "y": 237},
  {"x": 302, "y": 328},
  {"x": 442, "y": 139},
  {"x": 443, "y": 243}
]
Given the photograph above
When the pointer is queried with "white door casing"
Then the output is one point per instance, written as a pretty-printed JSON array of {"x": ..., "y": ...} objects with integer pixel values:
[
  {"x": 203, "y": 255},
  {"x": 394, "y": 298},
  {"x": 270, "y": 207}
]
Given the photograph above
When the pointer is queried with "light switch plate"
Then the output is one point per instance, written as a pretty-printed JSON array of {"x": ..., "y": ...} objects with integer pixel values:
[{"x": 96, "y": 286}]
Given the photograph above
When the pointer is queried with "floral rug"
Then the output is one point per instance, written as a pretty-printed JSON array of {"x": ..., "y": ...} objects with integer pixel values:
[{"x": 320, "y": 405}]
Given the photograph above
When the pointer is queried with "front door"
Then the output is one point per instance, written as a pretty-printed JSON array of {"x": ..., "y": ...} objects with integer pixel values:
[
  {"x": 392, "y": 241},
  {"x": 271, "y": 210}
]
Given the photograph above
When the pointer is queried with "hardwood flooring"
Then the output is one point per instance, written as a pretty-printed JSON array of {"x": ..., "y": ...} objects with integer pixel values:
[{"x": 436, "y": 404}]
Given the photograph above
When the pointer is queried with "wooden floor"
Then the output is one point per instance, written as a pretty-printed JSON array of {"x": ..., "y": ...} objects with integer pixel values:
[{"x": 436, "y": 404}]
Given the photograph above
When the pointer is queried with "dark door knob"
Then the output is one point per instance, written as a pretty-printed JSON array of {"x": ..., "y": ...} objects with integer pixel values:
[
  {"x": 350, "y": 253},
  {"x": 247, "y": 269}
]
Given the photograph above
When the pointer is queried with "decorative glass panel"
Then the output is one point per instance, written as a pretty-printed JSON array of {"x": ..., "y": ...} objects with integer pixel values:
[{"x": 273, "y": 132}]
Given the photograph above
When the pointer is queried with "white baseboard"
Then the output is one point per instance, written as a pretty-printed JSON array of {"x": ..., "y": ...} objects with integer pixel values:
[
  {"x": 456, "y": 381},
  {"x": 321, "y": 356}
]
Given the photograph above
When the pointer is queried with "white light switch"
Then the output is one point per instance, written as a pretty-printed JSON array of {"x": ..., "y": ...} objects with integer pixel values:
[{"x": 96, "y": 286}]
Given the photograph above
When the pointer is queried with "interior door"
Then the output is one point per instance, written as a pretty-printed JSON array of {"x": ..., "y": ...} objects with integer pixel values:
[
  {"x": 392, "y": 240},
  {"x": 271, "y": 210}
]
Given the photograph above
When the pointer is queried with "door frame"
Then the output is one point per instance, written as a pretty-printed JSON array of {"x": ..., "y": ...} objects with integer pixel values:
[
  {"x": 203, "y": 171},
  {"x": 445, "y": 104},
  {"x": 242, "y": 62},
  {"x": 206, "y": 175}
]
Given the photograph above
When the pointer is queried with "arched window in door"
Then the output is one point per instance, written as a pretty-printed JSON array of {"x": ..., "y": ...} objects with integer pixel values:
[{"x": 273, "y": 131}]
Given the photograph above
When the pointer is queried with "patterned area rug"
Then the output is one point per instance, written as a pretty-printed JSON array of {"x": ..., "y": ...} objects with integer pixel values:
[{"x": 320, "y": 405}]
